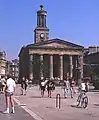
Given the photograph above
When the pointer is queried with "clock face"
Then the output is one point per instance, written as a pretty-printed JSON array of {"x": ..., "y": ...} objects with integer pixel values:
[{"x": 42, "y": 35}]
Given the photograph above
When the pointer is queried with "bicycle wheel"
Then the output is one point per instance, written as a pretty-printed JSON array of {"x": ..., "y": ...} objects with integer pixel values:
[
  {"x": 85, "y": 102},
  {"x": 78, "y": 100}
]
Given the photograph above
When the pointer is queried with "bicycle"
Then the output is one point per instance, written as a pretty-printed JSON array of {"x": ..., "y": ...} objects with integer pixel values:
[{"x": 82, "y": 99}]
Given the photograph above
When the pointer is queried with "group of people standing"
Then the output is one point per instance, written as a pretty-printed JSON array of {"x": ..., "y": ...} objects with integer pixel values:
[
  {"x": 49, "y": 85},
  {"x": 69, "y": 87}
]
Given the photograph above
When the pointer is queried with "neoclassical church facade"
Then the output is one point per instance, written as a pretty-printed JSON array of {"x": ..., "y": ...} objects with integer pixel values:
[{"x": 49, "y": 58}]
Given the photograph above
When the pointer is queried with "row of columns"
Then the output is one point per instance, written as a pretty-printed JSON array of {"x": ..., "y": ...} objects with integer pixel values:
[
  {"x": 31, "y": 67},
  {"x": 79, "y": 65}
]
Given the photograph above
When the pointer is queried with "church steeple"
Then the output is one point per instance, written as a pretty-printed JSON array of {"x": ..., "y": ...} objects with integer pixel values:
[
  {"x": 41, "y": 17},
  {"x": 41, "y": 33}
]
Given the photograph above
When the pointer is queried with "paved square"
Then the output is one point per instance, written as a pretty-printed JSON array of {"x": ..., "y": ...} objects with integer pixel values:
[{"x": 46, "y": 109}]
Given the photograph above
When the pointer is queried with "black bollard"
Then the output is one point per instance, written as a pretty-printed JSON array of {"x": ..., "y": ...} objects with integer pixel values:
[{"x": 58, "y": 101}]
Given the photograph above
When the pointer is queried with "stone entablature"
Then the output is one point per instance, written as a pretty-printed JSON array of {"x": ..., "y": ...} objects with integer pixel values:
[{"x": 57, "y": 51}]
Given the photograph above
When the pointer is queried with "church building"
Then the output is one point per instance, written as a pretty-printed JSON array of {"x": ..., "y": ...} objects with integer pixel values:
[{"x": 49, "y": 58}]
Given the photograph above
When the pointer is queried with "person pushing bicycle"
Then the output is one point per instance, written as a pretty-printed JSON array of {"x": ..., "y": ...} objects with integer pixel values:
[{"x": 83, "y": 90}]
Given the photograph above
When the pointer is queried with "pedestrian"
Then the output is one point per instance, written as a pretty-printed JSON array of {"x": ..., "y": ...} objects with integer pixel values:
[
  {"x": 49, "y": 88},
  {"x": 71, "y": 86},
  {"x": 42, "y": 85},
  {"x": 9, "y": 93},
  {"x": 24, "y": 84},
  {"x": 3, "y": 83},
  {"x": 66, "y": 87}
]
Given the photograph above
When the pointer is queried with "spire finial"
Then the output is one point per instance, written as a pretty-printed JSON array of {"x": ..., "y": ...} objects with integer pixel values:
[{"x": 41, "y": 6}]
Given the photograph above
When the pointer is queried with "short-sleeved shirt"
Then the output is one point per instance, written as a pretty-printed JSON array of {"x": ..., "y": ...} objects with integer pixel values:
[
  {"x": 83, "y": 87},
  {"x": 42, "y": 83},
  {"x": 10, "y": 85}
]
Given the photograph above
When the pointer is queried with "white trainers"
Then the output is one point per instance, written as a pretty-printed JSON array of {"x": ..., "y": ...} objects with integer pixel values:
[
  {"x": 13, "y": 112},
  {"x": 6, "y": 112}
]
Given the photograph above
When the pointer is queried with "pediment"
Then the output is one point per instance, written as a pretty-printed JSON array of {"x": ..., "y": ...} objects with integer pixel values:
[{"x": 55, "y": 45}]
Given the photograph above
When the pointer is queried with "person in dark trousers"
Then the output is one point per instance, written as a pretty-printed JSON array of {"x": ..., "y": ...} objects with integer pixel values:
[
  {"x": 42, "y": 87},
  {"x": 24, "y": 85},
  {"x": 49, "y": 88}
]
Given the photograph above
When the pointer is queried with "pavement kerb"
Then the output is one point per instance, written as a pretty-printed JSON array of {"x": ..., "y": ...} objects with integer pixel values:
[{"x": 34, "y": 115}]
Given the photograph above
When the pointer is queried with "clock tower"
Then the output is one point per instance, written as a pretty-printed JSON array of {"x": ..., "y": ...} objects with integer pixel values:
[{"x": 41, "y": 32}]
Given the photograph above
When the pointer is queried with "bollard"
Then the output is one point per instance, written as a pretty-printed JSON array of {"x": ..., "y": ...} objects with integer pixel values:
[{"x": 58, "y": 101}]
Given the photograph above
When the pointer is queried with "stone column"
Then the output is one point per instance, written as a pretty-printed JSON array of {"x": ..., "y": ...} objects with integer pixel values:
[
  {"x": 71, "y": 65},
  {"x": 80, "y": 68},
  {"x": 81, "y": 58},
  {"x": 41, "y": 66},
  {"x": 61, "y": 67},
  {"x": 51, "y": 66},
  {"x": 31, "y": 67}
]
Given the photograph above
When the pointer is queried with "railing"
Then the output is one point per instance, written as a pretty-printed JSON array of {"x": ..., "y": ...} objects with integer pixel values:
[{"x": 58, "y": 101}]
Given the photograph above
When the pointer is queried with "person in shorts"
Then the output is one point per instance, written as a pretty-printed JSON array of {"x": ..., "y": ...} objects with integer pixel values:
[{"x": 9, "y": 93}]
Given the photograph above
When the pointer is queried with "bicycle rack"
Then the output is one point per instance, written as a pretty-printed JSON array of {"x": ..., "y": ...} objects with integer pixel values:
[{"x": 58, "y": 101}]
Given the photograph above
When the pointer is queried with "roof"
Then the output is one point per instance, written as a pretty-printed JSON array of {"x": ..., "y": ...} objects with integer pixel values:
[
  {"x": 53, "y": 43},
  {"x": 56, "y": 40}
]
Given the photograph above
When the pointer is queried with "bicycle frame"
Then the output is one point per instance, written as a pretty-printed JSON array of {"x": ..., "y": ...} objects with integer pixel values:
[{"x": 82, "y": 99}]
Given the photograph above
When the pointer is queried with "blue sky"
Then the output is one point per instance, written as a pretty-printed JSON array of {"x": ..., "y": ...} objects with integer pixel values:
[{"x": 74, "y": 20}]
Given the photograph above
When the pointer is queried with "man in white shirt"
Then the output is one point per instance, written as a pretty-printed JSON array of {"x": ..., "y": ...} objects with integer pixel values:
[
  {"x": 83, "y": 89},
  {"x": 9, "y": 92}
]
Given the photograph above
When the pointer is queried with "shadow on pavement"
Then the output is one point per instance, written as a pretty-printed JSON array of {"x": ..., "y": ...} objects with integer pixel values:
[
  {"x": 1, "y": 112},
  {"x": 45, "y": 97},
  {"x": 96, "y": 105},
  {"x": 75, "y": 106},
  {"x": 37, "y": 97}
]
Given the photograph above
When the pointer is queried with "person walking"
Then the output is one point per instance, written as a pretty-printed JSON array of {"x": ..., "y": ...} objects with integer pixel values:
[
  {"x": 9, "y": 93},
  {"x": 49, "y": 88},
  {"x": 24, "y": 85},
  {"x": 42, "y": 86},
  {"x": 72, "y": 91},
  {"x": 66, "y": 88}
]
